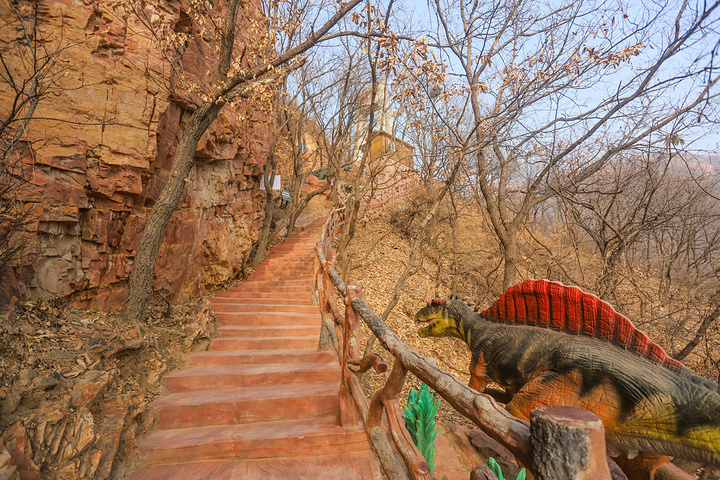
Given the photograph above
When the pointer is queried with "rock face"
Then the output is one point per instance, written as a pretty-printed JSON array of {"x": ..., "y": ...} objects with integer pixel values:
[{"x": 99, "y": 149}]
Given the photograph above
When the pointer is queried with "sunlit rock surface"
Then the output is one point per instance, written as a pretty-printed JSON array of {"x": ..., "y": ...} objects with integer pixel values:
[{"x": 101, "y": 147}]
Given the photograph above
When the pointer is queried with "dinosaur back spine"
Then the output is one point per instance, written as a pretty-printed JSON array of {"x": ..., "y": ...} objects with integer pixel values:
[{"x": 546, "y": 304}]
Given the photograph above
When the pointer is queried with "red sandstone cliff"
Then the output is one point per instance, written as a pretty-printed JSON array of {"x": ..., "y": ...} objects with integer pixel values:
[{"x": 102, "y": 142}]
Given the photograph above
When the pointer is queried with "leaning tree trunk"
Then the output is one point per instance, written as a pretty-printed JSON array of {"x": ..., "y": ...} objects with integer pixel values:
[
  {"x": 140, "y": 284},
  {"x": 268, "y": 179},
  {"x": 301, "y": 207},
  {"x": 510, "y": 257}
]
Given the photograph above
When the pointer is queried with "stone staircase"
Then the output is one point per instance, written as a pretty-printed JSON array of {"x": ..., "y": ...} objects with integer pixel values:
[{"x": 262, "y": 402}]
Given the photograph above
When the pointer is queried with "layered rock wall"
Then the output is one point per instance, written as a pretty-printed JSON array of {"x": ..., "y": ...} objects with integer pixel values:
[{"x": 99, "y": 149}]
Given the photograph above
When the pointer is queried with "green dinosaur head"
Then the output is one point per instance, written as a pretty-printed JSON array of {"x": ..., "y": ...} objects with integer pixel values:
[{"x": 443, "y": 318}]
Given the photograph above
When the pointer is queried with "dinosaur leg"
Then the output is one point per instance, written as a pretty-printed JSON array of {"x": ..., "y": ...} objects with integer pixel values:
[
  {"x": 555, "y": 389},
  {"x": 500, "y": 395},
  {"x": 478, "y": 378},
  {"x": 538, "y": 392},
  {"x": 547, "y": 389}
]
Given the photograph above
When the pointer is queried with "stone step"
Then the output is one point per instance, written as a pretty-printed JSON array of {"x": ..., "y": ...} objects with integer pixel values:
[
  {"x": 236, "y": 307},
  {"x": 305, "y": 250},
  {"x": 302, "y": 294},
  {"x": 251, "y": 441},
  {"x": 262, "y": 403},
  {"x": 293, "y": 252},
  {"x": 264, "y": 343},
  {"x": 268, "y": 330},
  {"x": 235, "y": 376},
  {"x": 297, "y": 269},
  {"x": 258, "y": 357},
  {"x": 351, "y": 466},
  {"x": 251, "y": 300},
  {"x": 300, "y": 270},
  {"x": 289, "y": 261},
  {"x": 276, "y": 283},
  {"x": 265, "y": 276},
  {"x": 305, "y": 246},
  {"x": 259, "y": 287},
  {"x": 267, "y": 318},
  {"x": 292, "y": 259},
  {"x": 234, "y": 406}
]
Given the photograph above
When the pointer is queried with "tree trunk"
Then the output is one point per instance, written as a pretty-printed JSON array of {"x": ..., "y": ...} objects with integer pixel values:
[
  {"x": 510, "y": 256},
  {"x": 568, "y": 443},
  {"x": 454, "y": 256},
  {"x": 706, "y": 323},
  {"x": 140, "y": 283},
  {"x": 291, "y": 222},
  {"x": 268, "y": 179},
  {"x": 301, "y": 207}
]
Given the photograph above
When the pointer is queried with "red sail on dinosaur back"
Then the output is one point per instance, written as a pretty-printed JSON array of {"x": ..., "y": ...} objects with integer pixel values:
[{"x": 553, "y": 305}]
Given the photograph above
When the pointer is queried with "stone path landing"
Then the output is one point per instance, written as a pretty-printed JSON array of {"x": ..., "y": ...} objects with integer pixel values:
[{"x": 261, "y": 403}]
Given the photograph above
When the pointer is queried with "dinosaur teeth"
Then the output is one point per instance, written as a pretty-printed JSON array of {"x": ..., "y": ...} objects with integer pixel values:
[
  {"x": 632, "y": 454},
  {"x": 424, "y": 324}
]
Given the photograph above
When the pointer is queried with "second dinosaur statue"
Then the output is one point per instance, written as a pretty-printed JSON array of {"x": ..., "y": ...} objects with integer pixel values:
[{"x": 547, "y": 343}]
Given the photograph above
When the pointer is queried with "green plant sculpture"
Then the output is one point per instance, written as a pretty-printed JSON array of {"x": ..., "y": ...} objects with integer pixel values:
[
  {"x": 420, "y": 421},
  {"x": 493, "y": 465}
]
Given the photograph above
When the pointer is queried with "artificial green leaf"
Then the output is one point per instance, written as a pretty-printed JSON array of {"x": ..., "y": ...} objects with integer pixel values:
[
  {"x": 520, "y": 475},
  {"x": 420, "y": 421},
  {"x": 493, "y": 465}
]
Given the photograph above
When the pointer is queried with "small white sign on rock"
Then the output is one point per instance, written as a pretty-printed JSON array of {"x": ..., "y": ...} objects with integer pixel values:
[{"x": 276, "y": 183}]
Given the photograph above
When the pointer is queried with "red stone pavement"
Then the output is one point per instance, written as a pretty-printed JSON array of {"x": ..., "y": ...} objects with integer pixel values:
[{"x": 262, "y": 402}]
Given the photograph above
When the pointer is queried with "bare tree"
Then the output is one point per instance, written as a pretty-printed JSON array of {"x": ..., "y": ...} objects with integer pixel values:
[
  {"x": 547, "y": 95},
  {"x": 279, "y": 123},
  {"x": 647, "y": 232},
  {"x": 625, "y": 201},
  {"x": 307, "y": 154}
]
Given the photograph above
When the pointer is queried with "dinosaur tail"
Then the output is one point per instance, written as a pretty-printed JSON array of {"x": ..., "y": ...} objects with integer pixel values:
[{"x": 686, "y": 426}]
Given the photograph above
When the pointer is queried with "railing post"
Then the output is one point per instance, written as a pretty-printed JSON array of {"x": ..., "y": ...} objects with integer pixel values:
[
  {"x": 348, "y": 414},
  {"x": 387, "y": 397},
  {"x": 352, "y": 327},
  {"x": 319, "y": 296},
  {"x": 331, "y": 304},
  {"x": 316, "y": 277},
  {"x": 568, "y": 443}
]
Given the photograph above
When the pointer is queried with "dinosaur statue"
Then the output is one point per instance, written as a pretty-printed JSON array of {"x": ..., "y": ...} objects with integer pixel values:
[{"x": 547, "y": 343}]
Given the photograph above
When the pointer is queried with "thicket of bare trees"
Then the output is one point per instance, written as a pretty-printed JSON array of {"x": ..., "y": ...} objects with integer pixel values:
[
  {"x": 575, "y": 129},
  {"x": 541, "y": 98},
  {"x": 648, "y": 226}
]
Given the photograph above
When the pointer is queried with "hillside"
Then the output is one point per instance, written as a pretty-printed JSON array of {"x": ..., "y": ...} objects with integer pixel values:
[
  {"x": 380, "y": 251},
  {"x": 382, "y": 246}
]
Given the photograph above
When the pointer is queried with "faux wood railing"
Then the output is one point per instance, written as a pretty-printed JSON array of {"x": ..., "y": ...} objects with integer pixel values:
[{"x": 577, "y": 433}]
